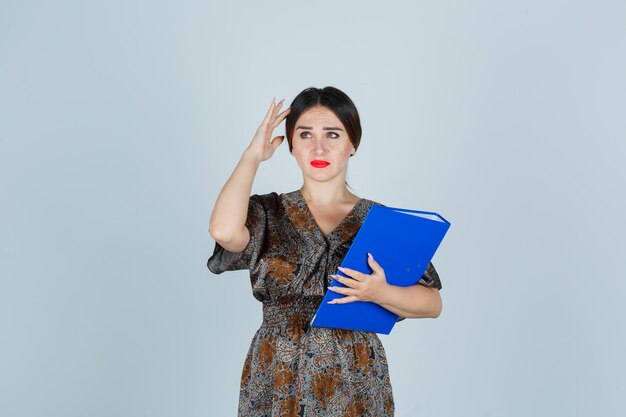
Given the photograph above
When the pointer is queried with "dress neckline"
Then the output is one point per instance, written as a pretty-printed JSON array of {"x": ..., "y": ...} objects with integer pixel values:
[{"x": 339, "y": 225}]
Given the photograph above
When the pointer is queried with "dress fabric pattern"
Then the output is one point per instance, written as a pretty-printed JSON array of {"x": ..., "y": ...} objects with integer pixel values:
[{"x": 292, "y": 369}]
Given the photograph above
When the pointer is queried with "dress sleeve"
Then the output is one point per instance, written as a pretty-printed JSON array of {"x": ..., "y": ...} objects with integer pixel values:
[
  {"x": 430, "y": 278},
  {"x": 223, "y": 260}
]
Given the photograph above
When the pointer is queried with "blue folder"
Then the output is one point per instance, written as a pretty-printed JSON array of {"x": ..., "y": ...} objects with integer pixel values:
[{"x": 403, "y": 242}]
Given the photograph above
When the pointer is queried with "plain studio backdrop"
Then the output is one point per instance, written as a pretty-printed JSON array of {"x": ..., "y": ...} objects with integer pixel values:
[{"x": 121, "y": 120}]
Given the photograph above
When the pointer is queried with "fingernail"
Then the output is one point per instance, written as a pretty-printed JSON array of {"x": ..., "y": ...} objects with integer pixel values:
[
  {"x": 369, "y": 255},
  {"x": 340, "y": 268}
]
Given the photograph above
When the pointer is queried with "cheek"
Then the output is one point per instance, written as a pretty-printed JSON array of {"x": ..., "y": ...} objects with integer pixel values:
[{"x": 346, "y": 152}]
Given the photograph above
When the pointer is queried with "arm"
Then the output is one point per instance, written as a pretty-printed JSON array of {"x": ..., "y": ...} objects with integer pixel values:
[
  {"x": 417, "y": 301},
  {"x": 228, "y": 219}
]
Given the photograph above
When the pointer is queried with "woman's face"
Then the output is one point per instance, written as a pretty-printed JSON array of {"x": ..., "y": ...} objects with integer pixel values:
[{"x": 321, "y": 144}]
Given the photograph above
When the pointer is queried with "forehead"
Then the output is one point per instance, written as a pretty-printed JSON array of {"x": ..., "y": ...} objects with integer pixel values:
[{"x": 319, "y": 115}]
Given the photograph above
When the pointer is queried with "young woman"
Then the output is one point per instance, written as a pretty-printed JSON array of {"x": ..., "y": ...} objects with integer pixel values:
[{"x": 292, "y": 243}]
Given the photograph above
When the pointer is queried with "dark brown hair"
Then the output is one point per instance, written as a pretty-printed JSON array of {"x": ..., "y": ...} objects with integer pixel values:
[{"x": 332, "y": 98}]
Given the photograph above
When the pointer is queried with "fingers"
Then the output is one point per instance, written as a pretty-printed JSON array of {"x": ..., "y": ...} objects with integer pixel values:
[
  {"x": 270, "y": 111},
  {"x": 359, "y": 276},
  {"x": 343, "y": 290},
  {"x": 374, "y": 265},
  {"x": 348, "y": 282},
  {"x": 281, "y": 117},
  {"x": 343, "y": 300},
  {"x": 277, "y": 141},
  {"x": 272, "y": 118},
  {"x": 277, "y": 109}
]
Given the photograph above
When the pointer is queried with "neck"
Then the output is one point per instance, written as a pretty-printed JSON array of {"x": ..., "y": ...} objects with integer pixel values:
[{"x": 326, "y": 193}]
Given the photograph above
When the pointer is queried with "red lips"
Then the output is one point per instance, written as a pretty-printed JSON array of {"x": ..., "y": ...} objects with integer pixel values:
[{"x": 318, "y": 163}]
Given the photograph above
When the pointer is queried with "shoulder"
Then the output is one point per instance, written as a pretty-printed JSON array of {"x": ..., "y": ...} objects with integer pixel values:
[
  {"x": 369, "y": 203},
  {"x": 363, "y": 207},
  {"x": 272, "y": 203},
  {"x": 265, "y": 199},
  {"x": 275, "y": 199}
]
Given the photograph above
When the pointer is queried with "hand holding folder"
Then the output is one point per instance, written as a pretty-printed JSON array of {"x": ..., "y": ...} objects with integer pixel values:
[{"x": 403, "y": 242}]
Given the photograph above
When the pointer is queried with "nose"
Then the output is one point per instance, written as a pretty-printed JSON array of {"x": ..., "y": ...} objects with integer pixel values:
[{"x": 319, "y": 146}]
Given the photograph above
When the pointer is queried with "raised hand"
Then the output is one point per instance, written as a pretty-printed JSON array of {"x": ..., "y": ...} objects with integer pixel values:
[{"x": 262, "y": 145}]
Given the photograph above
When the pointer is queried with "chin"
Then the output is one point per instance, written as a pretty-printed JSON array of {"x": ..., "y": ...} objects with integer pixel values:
[{"x": 322, "y": 176}]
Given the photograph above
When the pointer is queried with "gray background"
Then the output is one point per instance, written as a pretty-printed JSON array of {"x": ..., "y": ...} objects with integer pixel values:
[{"x": 121, "y": 120}]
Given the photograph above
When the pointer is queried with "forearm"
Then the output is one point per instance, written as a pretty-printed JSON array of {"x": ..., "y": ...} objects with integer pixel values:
[
  {"x": 416, "y": 301},
  {"x": 228, "y": 218}
]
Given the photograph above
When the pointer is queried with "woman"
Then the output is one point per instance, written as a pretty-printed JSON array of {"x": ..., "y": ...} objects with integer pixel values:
[{"x": 291, "y": 243}]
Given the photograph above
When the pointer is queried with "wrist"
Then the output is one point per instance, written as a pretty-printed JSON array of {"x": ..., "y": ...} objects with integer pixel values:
[
  {"x": 386, "y": 294},
  {"x": 250, "y": 156}
]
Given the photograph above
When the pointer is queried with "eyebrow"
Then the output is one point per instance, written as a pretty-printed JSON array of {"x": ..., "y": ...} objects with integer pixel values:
[{"x": 324, "y": 128}]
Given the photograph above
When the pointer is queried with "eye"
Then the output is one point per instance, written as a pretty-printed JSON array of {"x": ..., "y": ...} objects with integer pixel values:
[
  {"x": 305, "y": 135},
  {"x": 334, "y": 135}
]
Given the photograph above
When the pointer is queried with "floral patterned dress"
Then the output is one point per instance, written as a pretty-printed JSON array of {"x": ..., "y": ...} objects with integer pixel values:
[{"x": 292, "y": 369}]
